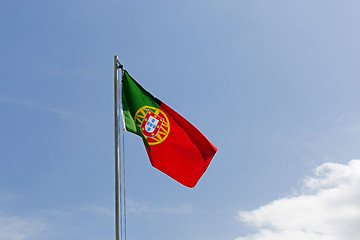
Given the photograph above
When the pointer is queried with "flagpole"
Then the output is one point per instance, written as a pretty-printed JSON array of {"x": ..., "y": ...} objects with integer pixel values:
[{"x": 117, "y": 65}]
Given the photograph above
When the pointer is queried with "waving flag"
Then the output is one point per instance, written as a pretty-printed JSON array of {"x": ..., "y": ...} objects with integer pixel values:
[{"x": 173, "y": 144}]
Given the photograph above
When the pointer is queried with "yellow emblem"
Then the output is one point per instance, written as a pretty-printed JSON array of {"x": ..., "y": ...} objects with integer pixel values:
[{"x": 155, "y": 131}]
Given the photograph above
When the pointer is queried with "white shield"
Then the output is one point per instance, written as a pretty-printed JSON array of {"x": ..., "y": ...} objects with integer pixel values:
[{"x": 151, "y": 124}]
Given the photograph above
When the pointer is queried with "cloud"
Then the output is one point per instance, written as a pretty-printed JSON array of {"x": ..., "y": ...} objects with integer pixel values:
[
  {"x": 97, "y": 210},
  {"x": 66, "y": 115},
  {"x": 20, "y": 228},
  {"x": 14, "y": 227},
  {"x": 65, "y": 222},
  {"x": 31, "y": 104},
  {"x": 327, "y": 208},
  {"x": 141, "y": 208}
]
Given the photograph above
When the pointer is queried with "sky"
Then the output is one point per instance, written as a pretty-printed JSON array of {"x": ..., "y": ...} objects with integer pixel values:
[{"x": 273, "y": 84}]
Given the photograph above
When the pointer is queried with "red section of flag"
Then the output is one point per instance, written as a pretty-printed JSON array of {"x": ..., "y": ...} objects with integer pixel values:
[{"x": 186, "y": 152}]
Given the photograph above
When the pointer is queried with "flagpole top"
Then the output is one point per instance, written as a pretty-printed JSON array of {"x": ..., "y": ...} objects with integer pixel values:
[{"x": 118, "y": 63}]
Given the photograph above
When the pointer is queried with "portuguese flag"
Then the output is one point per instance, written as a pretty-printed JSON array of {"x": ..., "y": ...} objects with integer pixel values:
[{"x": 173, "y": 145}]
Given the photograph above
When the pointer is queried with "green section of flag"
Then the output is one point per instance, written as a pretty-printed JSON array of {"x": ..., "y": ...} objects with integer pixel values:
[{"x": 134, "y": 96}]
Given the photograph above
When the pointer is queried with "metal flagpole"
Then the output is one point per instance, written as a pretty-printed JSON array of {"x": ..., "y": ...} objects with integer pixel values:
[{"x": 117, "y": 65}]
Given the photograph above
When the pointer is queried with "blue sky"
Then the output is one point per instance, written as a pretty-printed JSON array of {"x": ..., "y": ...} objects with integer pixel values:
[{"x": 273, "y": 84}]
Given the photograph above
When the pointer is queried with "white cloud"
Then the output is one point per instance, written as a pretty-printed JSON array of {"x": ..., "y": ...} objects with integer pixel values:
[
  {"x": 328, "y": 208},
  {"x": 14, "y": 227},
  {"x": 59, "y": 223},
  {"x": 20, "y": 228},
  {"x": 69, "y": 116},
  {"x": 97, "y": 210},
  {"x": 141, "y": 208}
]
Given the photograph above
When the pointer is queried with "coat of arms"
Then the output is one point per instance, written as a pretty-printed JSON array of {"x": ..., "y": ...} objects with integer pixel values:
[{"x": 151, "y": 124}]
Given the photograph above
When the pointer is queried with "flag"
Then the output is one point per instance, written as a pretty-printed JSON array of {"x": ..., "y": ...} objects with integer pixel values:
[{"x": 173, "y": 144}]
